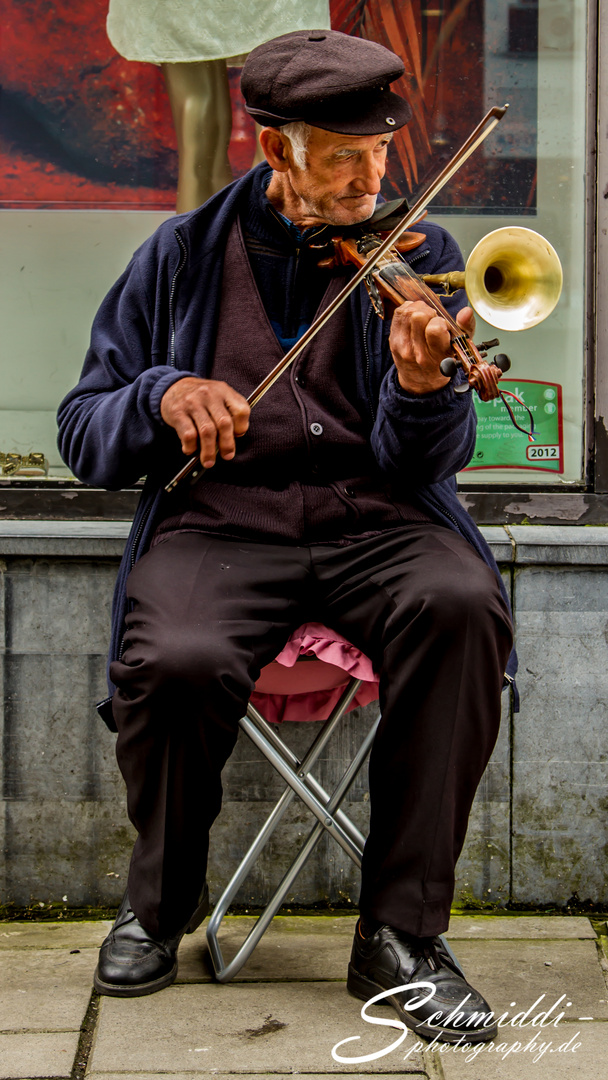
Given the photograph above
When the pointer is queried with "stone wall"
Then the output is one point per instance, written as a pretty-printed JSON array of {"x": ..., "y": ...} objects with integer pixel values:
[{"x": 538, "y": 832}]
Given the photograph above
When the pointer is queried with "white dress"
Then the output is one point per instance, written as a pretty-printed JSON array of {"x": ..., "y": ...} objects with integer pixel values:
[{"x": 188, "y": 30}]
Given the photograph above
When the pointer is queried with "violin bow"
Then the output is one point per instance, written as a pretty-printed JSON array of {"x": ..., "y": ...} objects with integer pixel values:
[{"x": 477, "y": 136}]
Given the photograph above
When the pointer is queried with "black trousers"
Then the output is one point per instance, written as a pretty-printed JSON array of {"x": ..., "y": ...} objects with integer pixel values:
[{"x": 207, "y": 615}]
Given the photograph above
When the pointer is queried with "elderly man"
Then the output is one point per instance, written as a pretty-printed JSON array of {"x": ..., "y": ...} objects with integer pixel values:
[{"x": 334, "y": 501}]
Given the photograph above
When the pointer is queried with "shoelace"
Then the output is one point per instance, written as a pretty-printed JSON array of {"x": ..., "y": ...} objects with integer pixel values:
[{"x": 428, "y": 952}]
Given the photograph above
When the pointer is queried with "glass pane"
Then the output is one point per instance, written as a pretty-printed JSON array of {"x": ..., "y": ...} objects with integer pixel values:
[
  {"x": 463, "y": 59},
  {"x": 548, "y": 95}
]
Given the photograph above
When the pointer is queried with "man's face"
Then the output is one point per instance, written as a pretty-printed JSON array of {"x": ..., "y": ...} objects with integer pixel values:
[{"x": 342, "y": 177}]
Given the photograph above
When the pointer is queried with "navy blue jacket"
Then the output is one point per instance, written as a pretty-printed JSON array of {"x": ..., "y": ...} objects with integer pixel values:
[{"x": 158, "y": 323}]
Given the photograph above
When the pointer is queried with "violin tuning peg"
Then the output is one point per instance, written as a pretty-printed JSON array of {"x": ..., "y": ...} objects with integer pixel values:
[
  {"x": 485, "y": 345},
  {"x": 501, "y": 361},
  {"x": 449, "y": 367}
]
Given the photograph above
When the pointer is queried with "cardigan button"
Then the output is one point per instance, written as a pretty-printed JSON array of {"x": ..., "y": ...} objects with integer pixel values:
[
  {"x": 316, "y": 429},
  {"x": 352, "y": 494}
]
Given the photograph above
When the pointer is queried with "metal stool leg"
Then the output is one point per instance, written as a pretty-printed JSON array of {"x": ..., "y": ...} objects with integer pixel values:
[{"x": 326, "y": 808}]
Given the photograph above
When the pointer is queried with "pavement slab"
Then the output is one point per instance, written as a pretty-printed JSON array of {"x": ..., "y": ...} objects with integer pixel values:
[
  {"x": 282, "y": 955},
  {"x": 244, "y": 1029},
  {"x": 505, "y": 971},
  {"x": 508, "y": 927},
  {"x": 49, "y": 1055},
  {"x": 53, "y": 935},
  {"x": 45, "y": 990},
  {"x": 520, "y": 1055}
]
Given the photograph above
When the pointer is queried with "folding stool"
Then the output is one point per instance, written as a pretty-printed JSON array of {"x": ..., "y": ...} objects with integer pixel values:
[{"x": 334, "y": 680}]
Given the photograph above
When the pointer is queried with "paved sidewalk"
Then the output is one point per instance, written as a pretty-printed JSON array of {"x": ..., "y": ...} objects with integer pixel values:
[{"x": 289, "y": 1007}]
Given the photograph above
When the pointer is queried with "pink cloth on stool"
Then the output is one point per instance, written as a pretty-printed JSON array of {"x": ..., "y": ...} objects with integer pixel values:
[{"x": 310, "y": 691}]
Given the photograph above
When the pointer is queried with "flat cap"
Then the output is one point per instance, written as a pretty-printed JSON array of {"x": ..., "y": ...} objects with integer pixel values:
[{"x": 329, "y": 79}]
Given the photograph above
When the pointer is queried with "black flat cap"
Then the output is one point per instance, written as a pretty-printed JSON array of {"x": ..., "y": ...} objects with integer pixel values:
[{"x": 330, "y": 80}]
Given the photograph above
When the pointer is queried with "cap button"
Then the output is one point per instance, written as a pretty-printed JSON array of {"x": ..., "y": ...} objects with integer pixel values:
[{"x": 317, "y": 37}]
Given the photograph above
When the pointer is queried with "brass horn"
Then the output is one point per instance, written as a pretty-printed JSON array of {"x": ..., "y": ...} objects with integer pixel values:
[{"x": 513, "y": 278}]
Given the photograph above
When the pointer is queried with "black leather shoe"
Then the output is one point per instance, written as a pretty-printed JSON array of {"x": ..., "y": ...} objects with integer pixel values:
[
  {"x": 390, "y": 958},
  {"x": 133, "y": 963}
]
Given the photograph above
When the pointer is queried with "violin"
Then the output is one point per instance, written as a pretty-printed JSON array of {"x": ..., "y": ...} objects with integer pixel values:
[{"x": 392, "y": 279}]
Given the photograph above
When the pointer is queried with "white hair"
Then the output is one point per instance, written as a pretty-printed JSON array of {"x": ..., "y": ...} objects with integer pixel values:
[{"x": 298, "y": 134}]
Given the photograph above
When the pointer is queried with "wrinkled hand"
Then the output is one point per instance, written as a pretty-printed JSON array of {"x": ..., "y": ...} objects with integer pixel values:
[
  {"x": 207, "y": 414},
  {"x": 419, "y": 341}
]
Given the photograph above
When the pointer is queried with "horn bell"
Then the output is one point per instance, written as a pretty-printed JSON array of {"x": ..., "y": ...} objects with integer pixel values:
[{"x": 513, "y": 278}]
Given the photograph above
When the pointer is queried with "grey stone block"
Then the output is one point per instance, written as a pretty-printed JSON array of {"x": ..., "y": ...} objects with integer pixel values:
[
  {"x": 54, "y": 744},
  {"x": 91, "y": 539},
  {"x": 501, "y": 544},
  {"x": 72, "y": 848},
  {"x": 551, "y": 545},
  {"x": 48, "y": 1055},
  {"x": 45, "y": 990},
  {"x": 483, "y": 870},
  {"x": 329, "y": 877},
  {"x": 549, "y": 866},
  {"x": 266, "y": 1028},
  {"x": 54, "y": 529},
  {"x": 560, "y": 764},
  {"x": 58, "y": 605}
]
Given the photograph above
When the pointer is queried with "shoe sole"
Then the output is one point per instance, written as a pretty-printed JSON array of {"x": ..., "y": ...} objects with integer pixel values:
[
  {"x": 135, "y": 990},
  {"x": 364, "y": 989}
]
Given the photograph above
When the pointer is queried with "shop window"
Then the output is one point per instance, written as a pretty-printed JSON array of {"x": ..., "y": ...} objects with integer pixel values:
[{"x": 88, "y": 169}]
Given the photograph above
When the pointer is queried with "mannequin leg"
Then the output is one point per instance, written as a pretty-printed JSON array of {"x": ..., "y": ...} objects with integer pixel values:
[{"x": 200, "y": 103}]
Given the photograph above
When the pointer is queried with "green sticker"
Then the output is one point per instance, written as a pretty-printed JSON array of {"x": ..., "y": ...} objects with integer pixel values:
[{"x": 500, "y": 445}]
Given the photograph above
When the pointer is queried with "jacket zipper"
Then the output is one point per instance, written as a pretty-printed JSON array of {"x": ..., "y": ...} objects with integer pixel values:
[
  {"x": 180, "y": 266},
  {"x": 445, "y": 512},
  {"x": 138, "y": 535},
  {"x": 420, "y": 255},
  {"x": 368, "y": 363}
]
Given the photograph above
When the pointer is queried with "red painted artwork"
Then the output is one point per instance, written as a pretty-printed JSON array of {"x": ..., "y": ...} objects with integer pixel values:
[{"x": 82, "y": 127}]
